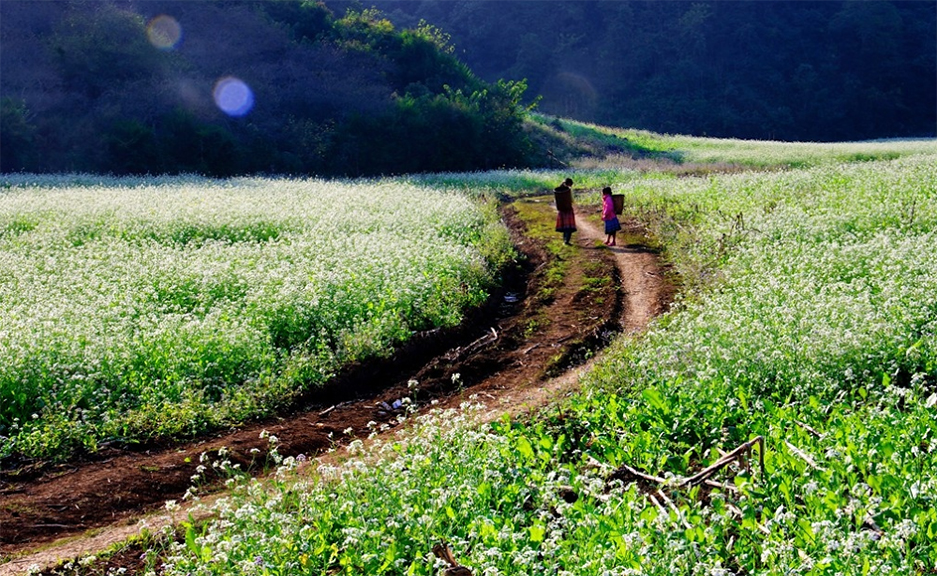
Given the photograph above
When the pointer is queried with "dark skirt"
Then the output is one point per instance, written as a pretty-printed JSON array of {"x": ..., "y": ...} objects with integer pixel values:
[
  {"x": 565, "y": 221},
  {"x": 612, "y": 226}
]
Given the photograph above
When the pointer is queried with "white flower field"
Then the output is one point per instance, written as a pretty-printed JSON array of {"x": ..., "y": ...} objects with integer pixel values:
[
  {"x": 805, "y": 330},
  {"x": 808, "y": 319},
  {"x": 131, "y": 307}
]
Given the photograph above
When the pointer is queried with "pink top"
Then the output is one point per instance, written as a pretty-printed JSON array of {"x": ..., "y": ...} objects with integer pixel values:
[{"x": 608, "y": 207}]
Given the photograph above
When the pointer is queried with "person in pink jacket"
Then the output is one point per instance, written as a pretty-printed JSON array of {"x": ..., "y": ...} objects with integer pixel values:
[{"x": 612, "y": 225}]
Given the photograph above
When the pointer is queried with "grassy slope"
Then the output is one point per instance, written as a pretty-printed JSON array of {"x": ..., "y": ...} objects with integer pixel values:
[{"x": 728, "y": 152}]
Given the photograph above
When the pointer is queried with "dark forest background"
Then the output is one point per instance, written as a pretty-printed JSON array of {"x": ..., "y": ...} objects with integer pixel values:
[
  {"x": 436, "y": 85},
  {"x": 796, "y": 70}
]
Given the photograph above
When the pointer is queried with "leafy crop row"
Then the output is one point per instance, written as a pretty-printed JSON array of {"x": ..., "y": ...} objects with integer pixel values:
[{"x": 816, "y": 329}]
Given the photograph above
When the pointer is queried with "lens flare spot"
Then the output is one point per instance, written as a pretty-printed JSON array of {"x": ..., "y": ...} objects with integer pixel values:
[
  {"x": 233, "y": 96},
  {"x": 164, "y": 32}
]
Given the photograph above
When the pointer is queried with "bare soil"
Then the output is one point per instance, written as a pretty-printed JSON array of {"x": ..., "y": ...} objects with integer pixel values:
[{"x": 515, "y": 354}]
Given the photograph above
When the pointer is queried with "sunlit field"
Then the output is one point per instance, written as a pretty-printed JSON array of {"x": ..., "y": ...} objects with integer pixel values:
[
  {"x": 516, "y": 183},
  {"x": 815, "y": 326},
  {"x": 133, "y": 310},
  {"x": 808, "y": 318},
  {"x": 749, "y": 153}
]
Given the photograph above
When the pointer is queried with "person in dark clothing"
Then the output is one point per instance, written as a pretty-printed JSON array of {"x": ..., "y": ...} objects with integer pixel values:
[{"x": 565, "y": 217}]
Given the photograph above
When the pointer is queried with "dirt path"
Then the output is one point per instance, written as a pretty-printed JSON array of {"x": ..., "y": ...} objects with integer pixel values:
[
  {"x": 646, "y": 293},
  {"x": 515, "y": 357}
]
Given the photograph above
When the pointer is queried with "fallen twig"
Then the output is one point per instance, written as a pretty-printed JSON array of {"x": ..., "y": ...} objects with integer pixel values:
[
  {"x": 725, "y": 460},
  {"x": 656, "y": 503},
  {"x": 675, "y": 509},
  {"x": 703, "y": 475},
  {"x": 721, "y": 486},
  {"x": 810, "y": 430},
  {"x": 803, "y": 455},
  {"x": 639, "y": 474},
  {"x": 592, "y": 463}
]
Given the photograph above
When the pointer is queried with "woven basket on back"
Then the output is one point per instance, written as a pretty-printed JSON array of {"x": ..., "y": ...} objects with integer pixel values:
[{"x": 564, "y": 200}]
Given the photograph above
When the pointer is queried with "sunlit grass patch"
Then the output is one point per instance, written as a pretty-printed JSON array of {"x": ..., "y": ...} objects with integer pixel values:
[{"x": 734, "y": 152}]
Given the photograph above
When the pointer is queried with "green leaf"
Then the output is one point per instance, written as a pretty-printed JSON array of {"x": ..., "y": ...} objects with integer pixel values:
[
  {"x": 653, "y": 397},
  {"x": 524, "y": 447},
  {"x": 814, "y": 403},
  {"x": 190, "y": 539}
]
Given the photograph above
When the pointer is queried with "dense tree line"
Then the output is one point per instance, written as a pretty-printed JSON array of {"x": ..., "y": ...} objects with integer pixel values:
[
  {"x": 138, "y": 86},
  {"x": 791, "y": 70}
]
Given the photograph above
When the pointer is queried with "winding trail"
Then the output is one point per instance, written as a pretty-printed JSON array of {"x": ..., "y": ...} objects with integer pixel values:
[{"x": 515, "y": 389}]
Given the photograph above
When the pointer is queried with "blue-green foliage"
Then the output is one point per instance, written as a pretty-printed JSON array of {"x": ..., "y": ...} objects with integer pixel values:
[{"x": 333, "y": 95}]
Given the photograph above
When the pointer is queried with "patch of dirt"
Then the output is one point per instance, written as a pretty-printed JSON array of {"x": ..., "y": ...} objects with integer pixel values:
[{"x": 514, "y": 355}]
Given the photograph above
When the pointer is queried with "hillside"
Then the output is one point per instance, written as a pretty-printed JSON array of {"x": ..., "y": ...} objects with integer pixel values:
[
  {"x": 778, "y": 70},
  {"x": 224, "y": 88},
  {"x": 340, "y": 89}
]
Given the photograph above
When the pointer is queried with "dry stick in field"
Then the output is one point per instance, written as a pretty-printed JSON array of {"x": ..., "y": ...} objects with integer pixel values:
[
  {"x": 803, "y": 455},
  {"x": 725, "y": 460},
  {"x": 444, "y": 552},
  {"x": 721, "y": 486},
  {"x": 642, "y": 475},
  {"x": 810, "y": 430},
  {"x": 702, "y": 477},
  {"x": 656, "y": 503},
  {"x": 674, "y": 508}
]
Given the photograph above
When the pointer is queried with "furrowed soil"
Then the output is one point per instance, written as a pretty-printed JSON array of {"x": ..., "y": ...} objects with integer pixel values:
[{"x": 558, "y": 306}]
